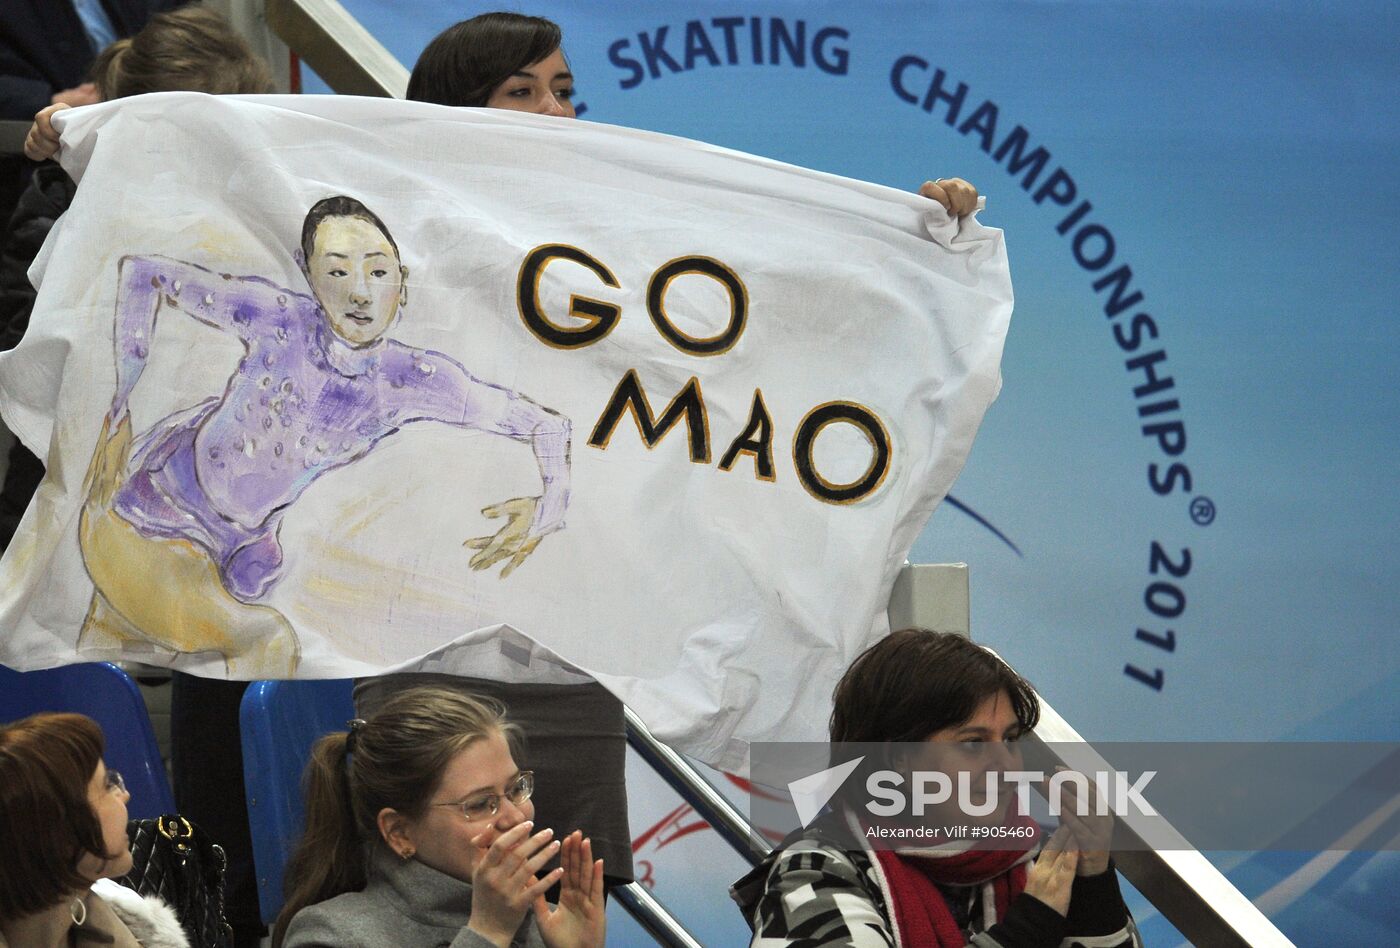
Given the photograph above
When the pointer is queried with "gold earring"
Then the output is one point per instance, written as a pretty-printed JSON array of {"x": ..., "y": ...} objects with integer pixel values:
[{"x": 406, "y": 855}]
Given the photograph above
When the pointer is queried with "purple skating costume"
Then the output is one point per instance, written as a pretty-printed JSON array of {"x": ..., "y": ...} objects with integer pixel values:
[{"x": 302, "y": 402}]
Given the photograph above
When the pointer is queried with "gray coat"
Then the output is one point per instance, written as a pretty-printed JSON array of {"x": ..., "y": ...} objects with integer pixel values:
[{"x": 406, "y": 904}]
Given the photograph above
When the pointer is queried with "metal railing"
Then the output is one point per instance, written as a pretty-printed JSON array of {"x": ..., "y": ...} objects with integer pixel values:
[
  {"x": 724, "y": 817},
  {"x": 660, "y": 924},
  {"x": 341, "y": 51},
  {"x": 1180, "y": 883}
]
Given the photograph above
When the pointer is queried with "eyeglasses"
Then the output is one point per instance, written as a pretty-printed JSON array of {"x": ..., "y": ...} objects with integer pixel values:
[
  {"x": 486, "y": 805},
  {"x": 115, "y": 783}
]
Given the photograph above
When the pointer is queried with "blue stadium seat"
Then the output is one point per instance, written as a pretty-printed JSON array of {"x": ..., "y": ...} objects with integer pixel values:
[
  {"x": 106, "y": 694},
  {"x": 280, "y": 720}
]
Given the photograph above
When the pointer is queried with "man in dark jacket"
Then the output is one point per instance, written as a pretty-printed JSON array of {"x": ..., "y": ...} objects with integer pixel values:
[{"x": 46, "y": 47}]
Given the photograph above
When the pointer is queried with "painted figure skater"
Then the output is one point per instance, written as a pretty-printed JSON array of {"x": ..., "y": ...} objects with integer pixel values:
[{"x": 180, "y": 530}]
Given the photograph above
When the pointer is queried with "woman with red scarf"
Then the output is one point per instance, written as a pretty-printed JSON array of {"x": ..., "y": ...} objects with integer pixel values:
[{"x": 862, "y": 880}]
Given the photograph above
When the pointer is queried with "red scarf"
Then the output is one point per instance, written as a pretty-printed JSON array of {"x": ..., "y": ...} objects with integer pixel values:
[{"x": 917, "y": 908}]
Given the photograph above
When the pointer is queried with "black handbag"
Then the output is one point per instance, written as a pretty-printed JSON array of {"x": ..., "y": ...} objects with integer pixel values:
[{"x": 180, "y": 863}]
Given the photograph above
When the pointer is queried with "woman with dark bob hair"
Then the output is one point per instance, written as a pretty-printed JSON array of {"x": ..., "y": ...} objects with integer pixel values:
[
  {"x": 420, "y": 833},
  {"x": 512, "y": 61},
  {"x": 963, "y": 708},
  {"x": 472, "y": 64},
  {"x": 63, "y": 822}
]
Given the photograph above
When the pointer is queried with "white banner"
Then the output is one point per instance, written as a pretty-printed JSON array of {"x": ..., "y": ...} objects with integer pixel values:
[{"x": 333, "y": 386}]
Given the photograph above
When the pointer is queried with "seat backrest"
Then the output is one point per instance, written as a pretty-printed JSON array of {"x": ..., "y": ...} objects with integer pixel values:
[
  {"x": 280, "y": 720},
  {"x": 105, "y": 693}
]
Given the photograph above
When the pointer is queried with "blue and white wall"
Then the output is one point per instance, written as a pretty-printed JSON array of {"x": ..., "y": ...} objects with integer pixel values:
[{"x": 1193, "y": 464}]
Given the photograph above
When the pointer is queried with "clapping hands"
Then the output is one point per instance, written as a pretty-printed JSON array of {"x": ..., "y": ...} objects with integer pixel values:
[
  {"x": 506, "y": 885},
  {"x": 579, "y": 920}
]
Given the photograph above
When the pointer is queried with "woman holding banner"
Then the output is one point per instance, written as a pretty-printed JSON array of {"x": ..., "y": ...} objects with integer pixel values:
[{"x": 577, "y": 734}]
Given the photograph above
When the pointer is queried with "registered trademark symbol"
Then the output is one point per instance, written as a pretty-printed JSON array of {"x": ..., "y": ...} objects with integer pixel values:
[{"x": 1203, "y": 510}]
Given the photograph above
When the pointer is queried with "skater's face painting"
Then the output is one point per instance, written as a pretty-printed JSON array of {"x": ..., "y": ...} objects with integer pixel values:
[{"x": 357, "y": 278}]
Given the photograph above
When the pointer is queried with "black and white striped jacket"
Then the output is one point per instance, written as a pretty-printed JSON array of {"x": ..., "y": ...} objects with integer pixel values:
[{"x": 813, "y": 893}]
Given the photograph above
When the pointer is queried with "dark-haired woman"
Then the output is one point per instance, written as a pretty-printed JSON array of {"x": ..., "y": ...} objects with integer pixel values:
[
  {"x": 497, "y": 61},
  {"x": 512, "y": 61},
  {"x": 63, "y": 822},
  {"x": 420, "y": 832},
  {"x": 939, "y": 693}
]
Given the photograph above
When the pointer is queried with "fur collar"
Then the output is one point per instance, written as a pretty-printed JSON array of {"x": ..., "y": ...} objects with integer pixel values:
[{"x": 152, "y": 921}]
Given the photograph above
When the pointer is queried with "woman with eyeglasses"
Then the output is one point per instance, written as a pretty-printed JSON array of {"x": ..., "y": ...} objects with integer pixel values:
[
  {"x": 419, "y": 832},
  {"x": 63, "y": 822}
]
